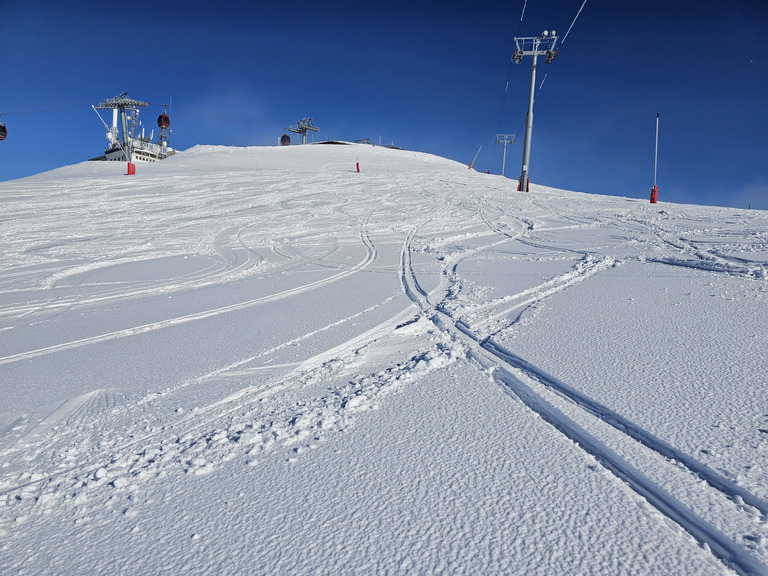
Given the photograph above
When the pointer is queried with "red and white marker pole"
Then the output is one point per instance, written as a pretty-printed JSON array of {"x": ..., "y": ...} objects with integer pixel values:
[
  {"x": 655, "y": 189},
  {"x": 475, "y": 158}
]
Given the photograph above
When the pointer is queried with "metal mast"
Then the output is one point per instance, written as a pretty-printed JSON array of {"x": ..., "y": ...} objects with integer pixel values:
[
  {"x": 122, "y": 103},
  {"x": 656, "y": 153},
  {"x": 504, "y": 139},
  {"x": 302, "y": 127},
  {"x": 536, "y": 46},
  {"x": 654, "y": 188}
]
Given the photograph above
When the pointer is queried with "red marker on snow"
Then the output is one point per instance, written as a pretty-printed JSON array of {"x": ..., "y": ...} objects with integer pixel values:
[{"x": 654, "y": 188}]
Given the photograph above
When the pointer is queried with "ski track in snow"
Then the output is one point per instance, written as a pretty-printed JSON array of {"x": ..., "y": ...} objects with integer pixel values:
[
  {"x": 369, "y": 258},
  {"x": 104, "y": 446},
  {"x": 84, "y": 457},
  {"x": 754, "y": 508}
]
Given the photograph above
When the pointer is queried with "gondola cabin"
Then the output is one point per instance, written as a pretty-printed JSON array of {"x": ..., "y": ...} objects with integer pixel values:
[{"x": 163, "y": 121}]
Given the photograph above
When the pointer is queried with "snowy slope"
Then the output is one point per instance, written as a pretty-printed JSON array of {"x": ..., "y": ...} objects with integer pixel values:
[{"x": 257, "y": 360}]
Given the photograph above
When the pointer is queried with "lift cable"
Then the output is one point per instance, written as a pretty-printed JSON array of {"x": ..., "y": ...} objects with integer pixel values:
[
  {"x": 572, "y": 23},
  {"x": 561, "y": 45},
  {"x": 23, "y": 109},
  {"x": 504, "y": 99},
  {"x": 509, "y": 72},
  {"x": 48, "y": 105},
  {"x": 521, "y": 18}
]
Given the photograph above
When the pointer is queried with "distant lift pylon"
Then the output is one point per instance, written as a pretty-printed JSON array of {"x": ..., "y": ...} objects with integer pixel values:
[{"x": 302, "y": 127}]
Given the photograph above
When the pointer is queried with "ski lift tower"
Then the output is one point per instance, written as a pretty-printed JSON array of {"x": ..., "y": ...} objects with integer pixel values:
[
  {"x": 504, "y": 139},
  {"x": 302, "y": 127},
  {"x": 119, "y": 104},
  {"x": 536, "y": 46}
]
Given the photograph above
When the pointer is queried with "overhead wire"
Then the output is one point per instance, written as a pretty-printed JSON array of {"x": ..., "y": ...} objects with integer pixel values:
[
  {"x": 504, "y": 99},
  {"x": 49, "y": 105},
  {"x": 572, "y": 23},
  {"x": 21, "y": 109},
  {"x": 42, "y": 111},
  {"x": 509, "y": 72},
  {"x": 561, "y": 45},
  {"x": 522, "y": 14}
]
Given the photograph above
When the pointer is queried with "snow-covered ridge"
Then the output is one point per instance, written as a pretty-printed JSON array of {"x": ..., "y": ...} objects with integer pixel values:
[
  {"x": 259, "y": 360},
  {"x": 310, "y": 158}
]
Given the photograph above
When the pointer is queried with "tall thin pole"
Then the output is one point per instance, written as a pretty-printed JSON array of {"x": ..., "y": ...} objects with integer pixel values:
[
  {"x": 654, "y": 188},
  {"x": 543, "y": 45},
  {"x": 475, "y": 158},
  {"x": 127, "y": 142},
  {"x": 656, "y": 155},
  {"x": 504, "y": 158},
  {"x": 504, "y": 139},
  {"x": 528, "y": 127}
]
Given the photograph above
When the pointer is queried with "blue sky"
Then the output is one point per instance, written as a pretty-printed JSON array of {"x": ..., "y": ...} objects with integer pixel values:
[{"x": 428, "y": 76}]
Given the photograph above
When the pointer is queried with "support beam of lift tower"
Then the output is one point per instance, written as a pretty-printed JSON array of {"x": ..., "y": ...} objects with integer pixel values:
[
  {"x": 536, "y": 46},
  {"x": 302, "y": 127}
]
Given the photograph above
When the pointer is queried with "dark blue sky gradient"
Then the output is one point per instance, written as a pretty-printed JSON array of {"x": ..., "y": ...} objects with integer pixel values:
[{"x": 428, "y": 76}]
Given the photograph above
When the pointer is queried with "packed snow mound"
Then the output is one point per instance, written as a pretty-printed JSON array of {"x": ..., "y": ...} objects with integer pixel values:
[
  {"x": 320, "y": 157},
  {"x": 258, "y": 360},
  {"x": 333, "y": 157}
]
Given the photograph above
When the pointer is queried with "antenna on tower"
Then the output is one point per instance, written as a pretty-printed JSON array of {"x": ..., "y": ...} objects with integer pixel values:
[
  {"x": 536, "y": 46},
  {"x": 302, "y": 127}
]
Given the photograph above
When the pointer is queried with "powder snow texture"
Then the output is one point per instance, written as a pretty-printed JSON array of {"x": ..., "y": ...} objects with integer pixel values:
[{"x": 259, "y": 361}]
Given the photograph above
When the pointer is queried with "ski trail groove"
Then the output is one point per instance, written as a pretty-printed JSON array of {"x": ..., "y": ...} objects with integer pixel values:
[
  {"x": 620, "y": 423},
  {"x": 731, "y": 553},
  {"x": 370, "y": 256},
  {"x": 205, "y": 439},
  {"x": 587, "y": 267},
  {"x": 493, "y": 359},
  {"x": 200, "y": 440}
]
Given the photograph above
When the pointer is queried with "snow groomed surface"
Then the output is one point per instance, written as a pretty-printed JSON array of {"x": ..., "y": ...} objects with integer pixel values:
[{"x": 258, "y": 360}]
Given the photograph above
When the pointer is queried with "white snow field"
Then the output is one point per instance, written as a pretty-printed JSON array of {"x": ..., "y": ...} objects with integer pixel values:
[{"x": 260, "y": 361}]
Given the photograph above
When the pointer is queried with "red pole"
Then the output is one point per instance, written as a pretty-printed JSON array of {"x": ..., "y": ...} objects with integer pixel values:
[
  {"x": 475, "y": 158},
  {"x": 655, "y": 189}
]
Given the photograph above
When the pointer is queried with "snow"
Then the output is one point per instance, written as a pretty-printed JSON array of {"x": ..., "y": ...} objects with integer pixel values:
[{"x": 258, "y": 360}]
